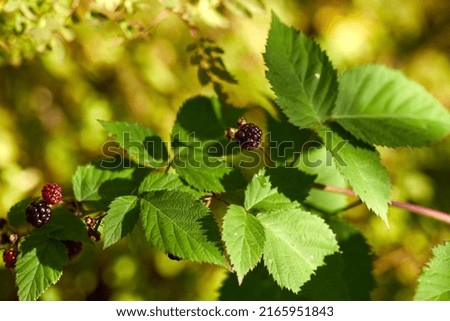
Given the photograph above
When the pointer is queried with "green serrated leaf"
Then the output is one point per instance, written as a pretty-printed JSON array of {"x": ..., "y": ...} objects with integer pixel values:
[
  {"x": 244, "y": 238},
  {"x": 172, "y": 222},
  {"x": 301, "y": 76},
  {"x": 160, "y": 181},
  {"x": 122, "y": 216},
  {"x": 94, "y": 183},
  {"x": 39, "y": 265},
  {"x": 64, "y": 225},
  {"x": 381, "y": 106},
  {"x": 143, "y": 146},
  {"x": 434, "y": 282},
  {"x": 296, "y": 245},
  {"x": 205, "y": 173},
  {"x": 360, "y": 165},
  {"x": 275, "y": 201},
  {"x": 257, "y": 190}
]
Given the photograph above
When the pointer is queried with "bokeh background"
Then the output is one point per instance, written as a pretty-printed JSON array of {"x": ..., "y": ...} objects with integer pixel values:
[{"x": 65, "y": 64}]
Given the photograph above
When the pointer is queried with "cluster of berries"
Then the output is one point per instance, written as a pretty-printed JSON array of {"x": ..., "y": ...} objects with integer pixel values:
[
  {"x": 10, "y": 255},
  {"x": 38, "y": 213},
  {"x": 248, "y": 135}
]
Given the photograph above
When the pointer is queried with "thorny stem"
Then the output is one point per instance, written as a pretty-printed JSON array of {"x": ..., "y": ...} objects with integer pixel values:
[{"x": 421, "y": 210}]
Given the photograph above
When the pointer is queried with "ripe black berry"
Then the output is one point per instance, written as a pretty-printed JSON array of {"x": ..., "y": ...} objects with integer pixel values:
[
  {"x": 73, "y": 248},
  {"x": 38, "y": 213},
  {"x": 51, "y": 193},
  {"x": 248, "y": 136},
  {"x": 10, "y": 258}
]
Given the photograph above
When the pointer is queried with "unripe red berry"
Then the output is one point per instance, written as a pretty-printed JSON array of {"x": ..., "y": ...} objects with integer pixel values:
[{"x": 51, "y": 193}]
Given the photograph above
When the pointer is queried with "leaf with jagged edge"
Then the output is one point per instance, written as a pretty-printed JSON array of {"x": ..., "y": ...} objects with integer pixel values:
[
  {"x": 296, "y": 245},
  {"x": 141, "y": 143},
  {"x": 360, "y": 164},
  {"x": 382, "y": 107},
  {"x": 98, "y": 185},
  {"x": 172, "y": 222},
  {"x": 39, "y": 265},
  {"x": 122, "y": 216},
  {"x": 301, "y": 76},
  {"x": 434, "y": 282},
  {"x": 244, "y": 239},
  {"x": 258, "y": 189}
]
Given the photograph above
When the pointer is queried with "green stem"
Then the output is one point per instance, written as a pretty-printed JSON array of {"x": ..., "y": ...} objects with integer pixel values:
[{"x": 421, "y": 210}]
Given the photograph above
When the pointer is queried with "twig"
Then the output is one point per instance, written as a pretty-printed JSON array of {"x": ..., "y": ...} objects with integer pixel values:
[{"x": 421, "y": 210}]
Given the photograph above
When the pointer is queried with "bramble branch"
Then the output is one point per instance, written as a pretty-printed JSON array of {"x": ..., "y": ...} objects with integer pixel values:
[{"x": 421, "y": 210}]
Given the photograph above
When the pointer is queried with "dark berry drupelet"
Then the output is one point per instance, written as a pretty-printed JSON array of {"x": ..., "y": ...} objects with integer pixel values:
[
  {"x": 248, "y": 136},
  {"x": 38, "y": 213},
  {"x": 10, "y": 258},
  {"x": 51, "y": 193},
  {"x": 73, "y": 248}
]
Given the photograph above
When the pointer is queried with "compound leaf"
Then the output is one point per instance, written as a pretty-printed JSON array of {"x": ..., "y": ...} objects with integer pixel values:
[
  {"x": 381, "y": 106},
  {"x": 244, "y": 238},
  {"x": 301, "y": 76}
]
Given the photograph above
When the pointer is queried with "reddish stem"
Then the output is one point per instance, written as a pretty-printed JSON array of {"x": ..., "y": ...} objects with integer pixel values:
[{"x": 425, "y": 211}]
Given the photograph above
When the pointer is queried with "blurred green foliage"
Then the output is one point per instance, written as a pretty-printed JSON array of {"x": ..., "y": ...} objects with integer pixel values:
[{"x": 65, "y": 64}]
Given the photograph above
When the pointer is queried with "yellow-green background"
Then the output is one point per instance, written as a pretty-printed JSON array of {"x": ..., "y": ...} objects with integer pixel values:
[{"x": 60, "y": 76}]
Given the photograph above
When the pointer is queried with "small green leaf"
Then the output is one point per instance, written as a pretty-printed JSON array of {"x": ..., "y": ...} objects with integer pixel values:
[
  {"x": 285, "y": 139},
  {"x": 121, "y": 218},
  {"x": 360, "y": 165},
  {"x": 39, "y": 265},
  {"x": 173, "y": 222},
  {"x": 275, "y": 201},
  {"x": 257, "y": 190},
  {"x": 94, "y": 183},
  {"x": 143, "y": 146},
  {"x": 296, "y": 245},
  {"x": 434, "y": 282},
  {"x": 244, "y": 238},
  {"x": 382, "y": 107},
  {"x": 160, "y": 181},
  {"x": 203, "y": 172},
  {"x": 301, "y": 76}
]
